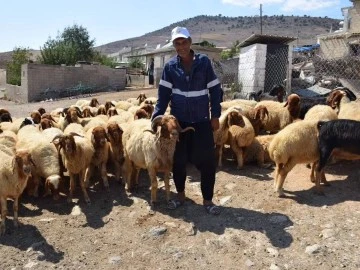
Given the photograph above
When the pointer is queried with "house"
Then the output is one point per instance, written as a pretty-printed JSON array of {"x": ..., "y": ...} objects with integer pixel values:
[
  {"x": 163, "y": 54},
  {"x": 123, "y": 57},
  {"x": 346, "y": 40}
]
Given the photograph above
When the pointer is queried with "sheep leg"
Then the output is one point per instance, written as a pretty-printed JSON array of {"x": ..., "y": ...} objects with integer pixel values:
[
  {"x": 220, "y": 155},
  {"x": 312, "y": 174},
  {"x": 239, "y": 154},
  {"x": 16, "y": 209},
  {"x": 128, "y": 166},
  {"x": 276, "y": 174},
  {"x": 104, "y": 176},
  {"x": 154, "y": 185},
  {"x": 117, "y": 171},
  {"x": 83, "y": 188},
  {"x": 282, "y": 173},
  {"x": 88, "y": 173},
  {"x": 3, "y": 215},
  {"x": 323, "y": 179},
  {"x": 167, "y": 185},
  {"x": 72, "y": 187}
]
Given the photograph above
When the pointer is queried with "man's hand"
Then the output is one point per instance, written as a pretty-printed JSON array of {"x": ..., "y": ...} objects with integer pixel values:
[{"x": 215, "y": 124}]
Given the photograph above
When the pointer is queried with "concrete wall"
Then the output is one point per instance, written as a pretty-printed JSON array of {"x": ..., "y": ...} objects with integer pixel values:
[
  {"x": 35, "y": 79},
  {"x": 138, "y": 80},
  {"x": 334, "y": 48},
  {"x": 252, "y": 62},
  {"x": 355, "y": 17}
]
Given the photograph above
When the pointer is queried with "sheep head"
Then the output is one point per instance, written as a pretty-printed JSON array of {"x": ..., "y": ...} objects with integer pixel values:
[
  {"x": 108, "y": 105},
  {"x": 278, "y": 91},
  {"x": 141, "y": 98},
  {"x": 66, "y": 142},
  {"x": 36, "y": 117},
  {"x": 148, "y": 108},
  {"x": 101, "y": 110},
  {"x": 293, "y": 105},
  {"x": 73, "y": 114},
  {"x": 112, "y": 112},
  {"x": 5, "y": 117},
  {"x": 94, "y": 102},
  {"x": 48, "y": 116},
  {"x": 235, "y": 118},
  {"x": 333, "y": 100},
  {"x": 260, "y": 112},
  {"x": 22, "y": 162},
  {"x": 87, "y": 112},
  {"x": 168, "y": 127},
  {"x": 115, "y": 132},
  {"x": 141, "y": 114},
  {"x": 45, "y": 123},
  {"x": 41, "y": 110},
  {"x": 99, "y": 137}
]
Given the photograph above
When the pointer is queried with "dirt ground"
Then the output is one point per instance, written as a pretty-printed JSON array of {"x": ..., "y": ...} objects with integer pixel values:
[{"x": 256, "y": 229}]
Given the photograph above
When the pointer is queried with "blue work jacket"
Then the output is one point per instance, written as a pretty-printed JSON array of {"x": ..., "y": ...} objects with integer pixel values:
[{"x": 191, "y": 96}]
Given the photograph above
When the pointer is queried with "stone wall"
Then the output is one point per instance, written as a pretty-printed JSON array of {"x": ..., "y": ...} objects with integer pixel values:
[{"x": 59, "y": 80}]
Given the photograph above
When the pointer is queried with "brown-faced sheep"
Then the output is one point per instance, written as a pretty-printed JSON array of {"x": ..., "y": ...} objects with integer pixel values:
[
  {"x": 116, "y": 150},
  {"x": 151, "y": 145},
  {"x": 15, "y": 171},
  {"x": 77, "y": 152},
  {"x": 99, "y": 140}
]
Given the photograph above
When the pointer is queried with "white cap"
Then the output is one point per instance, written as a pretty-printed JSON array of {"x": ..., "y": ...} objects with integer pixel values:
[{"x": 179, "y": 32}]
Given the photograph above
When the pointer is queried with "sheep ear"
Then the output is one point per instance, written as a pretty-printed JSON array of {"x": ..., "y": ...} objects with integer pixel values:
[
  {"x": 92, "y": 139},
  {"x": 287, "y": 103},
  {"x": 31, "y": 160}
]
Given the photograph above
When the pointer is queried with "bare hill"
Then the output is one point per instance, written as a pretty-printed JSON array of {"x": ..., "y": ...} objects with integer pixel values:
[{"x": 224, "y": 31}]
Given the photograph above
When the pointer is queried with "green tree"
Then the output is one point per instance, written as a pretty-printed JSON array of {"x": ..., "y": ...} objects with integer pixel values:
[
  {"x": 13, "y": 68},
  {"x": 234, "y": 50},
  {"x": 104, "y": 60},
  {"x": 135, "y": 62},
  {"x": 79, "y": 38},
  {"x": 70, "y": 46}
]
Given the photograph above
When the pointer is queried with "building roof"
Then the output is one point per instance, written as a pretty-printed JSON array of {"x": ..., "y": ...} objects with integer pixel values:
[
  {"x": 170, "y": 48},
  {"x": 266, "y": 39}
]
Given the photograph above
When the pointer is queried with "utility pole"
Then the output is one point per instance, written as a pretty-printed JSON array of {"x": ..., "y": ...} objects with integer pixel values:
[{"x": 260, "y": 19}]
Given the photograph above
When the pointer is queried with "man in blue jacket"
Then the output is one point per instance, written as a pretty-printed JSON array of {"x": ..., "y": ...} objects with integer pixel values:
[{"x": 189, "y": 83}]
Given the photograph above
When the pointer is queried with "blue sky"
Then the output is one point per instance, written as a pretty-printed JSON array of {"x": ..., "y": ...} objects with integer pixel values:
[{"x": 28, "y": 24}]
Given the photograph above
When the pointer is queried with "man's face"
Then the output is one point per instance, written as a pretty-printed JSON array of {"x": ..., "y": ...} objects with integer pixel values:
[{"x": 182, "y": 46}]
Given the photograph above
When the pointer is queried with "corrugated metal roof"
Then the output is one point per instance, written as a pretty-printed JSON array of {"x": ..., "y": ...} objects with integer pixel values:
[{"x": 266, "y": 39}]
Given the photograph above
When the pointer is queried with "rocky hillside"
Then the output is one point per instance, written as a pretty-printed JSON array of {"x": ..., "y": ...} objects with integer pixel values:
[{"x": 224, "y": 31}]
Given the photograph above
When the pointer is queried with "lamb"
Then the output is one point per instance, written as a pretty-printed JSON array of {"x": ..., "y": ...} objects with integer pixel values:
[
  {"x": 258, "y": 151},
  {"x": 240, "y": 136},
  {"x": 280, "y": 114},
  {"x": 99, "y": 139},
  {"x": 228, "y": 118},
  {"x": 151, "y": 145},
  {"x": 112, "y": 112},
  {"x": 340, "y": 138},
  {"x": 77, "y": 153},
  {"x": 287, "y": 149},
  {"x": 116, "y": 150},
  {"x": 15, "y": 171}
]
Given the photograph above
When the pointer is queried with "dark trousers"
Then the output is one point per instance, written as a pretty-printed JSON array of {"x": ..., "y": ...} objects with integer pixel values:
[{"x": 197, "y": 148}]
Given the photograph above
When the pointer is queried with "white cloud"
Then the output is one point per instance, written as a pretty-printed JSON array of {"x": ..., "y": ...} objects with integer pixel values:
[
  {"x": 306, "y": 5},
  {"x": 286, "y": 5}
]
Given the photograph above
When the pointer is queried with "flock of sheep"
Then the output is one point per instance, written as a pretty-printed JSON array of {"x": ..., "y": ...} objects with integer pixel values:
[{"x": 39, "y": 149}]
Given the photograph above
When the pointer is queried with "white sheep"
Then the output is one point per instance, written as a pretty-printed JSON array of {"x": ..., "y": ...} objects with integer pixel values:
[
  {"x": 77, "y": 152},
  {"x": 295, "y": 144},
  {"x": 151, "y": 146}
]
